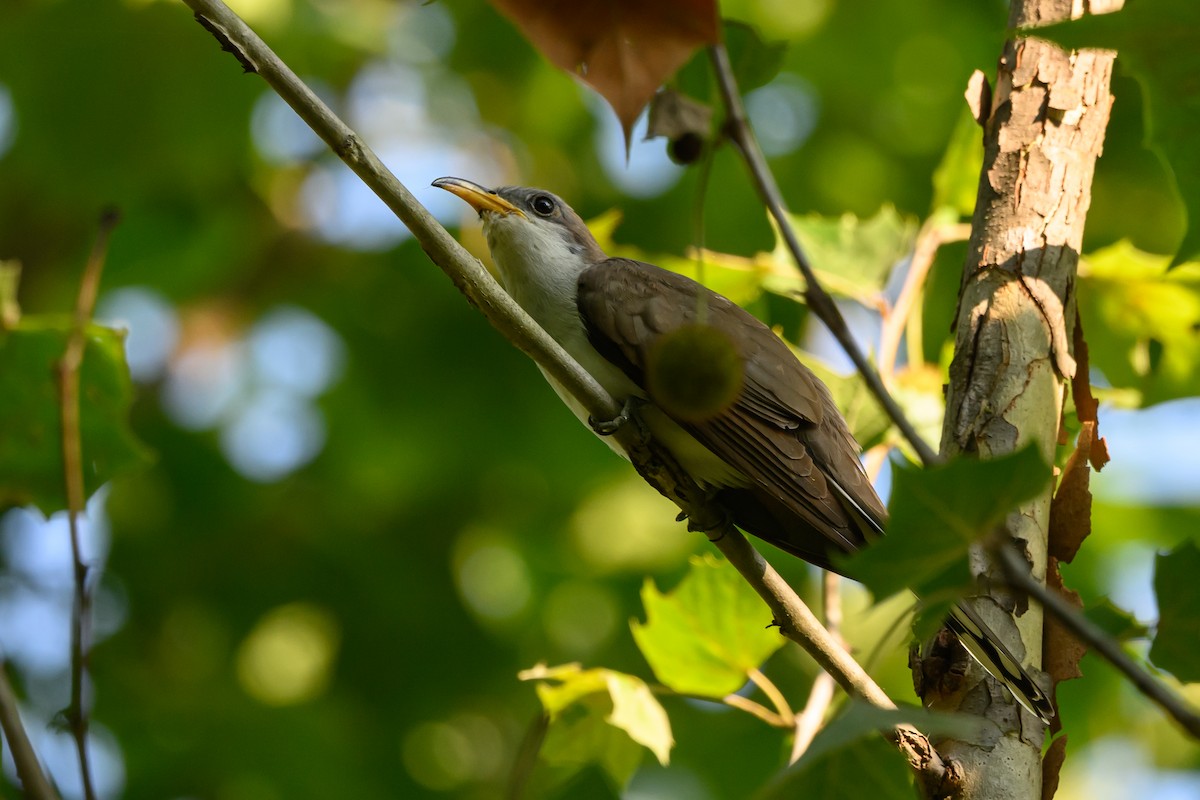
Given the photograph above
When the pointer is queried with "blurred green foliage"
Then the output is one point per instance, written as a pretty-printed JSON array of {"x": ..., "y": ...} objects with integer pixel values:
[{"x": 355, "y": 628}]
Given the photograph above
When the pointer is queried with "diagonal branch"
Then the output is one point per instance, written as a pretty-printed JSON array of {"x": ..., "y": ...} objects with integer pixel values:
[
  {"x": 1017, "y": 573},
  {"x": 815, "y": 295},
  {"x": 33, "y": 780},
  {"x": 794, "y": 618}
]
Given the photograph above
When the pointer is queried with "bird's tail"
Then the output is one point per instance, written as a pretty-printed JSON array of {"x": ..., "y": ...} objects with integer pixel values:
[{"x": 986, "y": 648}]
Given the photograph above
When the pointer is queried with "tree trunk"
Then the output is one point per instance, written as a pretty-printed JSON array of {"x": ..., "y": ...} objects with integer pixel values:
[{"x": 1043, "y": 130}]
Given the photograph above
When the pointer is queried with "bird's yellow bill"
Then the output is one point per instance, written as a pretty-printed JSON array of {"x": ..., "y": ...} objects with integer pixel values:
[{"x": 478, "y": 197}]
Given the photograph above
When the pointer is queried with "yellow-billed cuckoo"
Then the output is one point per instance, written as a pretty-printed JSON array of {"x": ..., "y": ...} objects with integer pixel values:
[{"x": 778, "y": 457}]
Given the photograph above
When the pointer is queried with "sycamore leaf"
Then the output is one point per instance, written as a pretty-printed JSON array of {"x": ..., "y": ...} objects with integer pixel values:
[
  {"x": 1148, "y": 321},
  {"x": 1115, "y": 621},
  {"x": 705, "y": 636},
  {"x": 31, "y": 467},
  {"x": 624, "y": 49},
  {"x": 1156, "y": 41},
  {"x": 956, "y": 179},
  {"x": 1178, "y": 593},
  {"x": 580, "y": 739},
  {"x": 936, "y": 514},
  {"x": 630, "y": 706},
  {"x": 852, "y": 257}
]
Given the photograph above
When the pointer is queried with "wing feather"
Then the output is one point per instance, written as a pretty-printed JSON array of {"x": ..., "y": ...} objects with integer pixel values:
[{"x": 782, "y": 432}]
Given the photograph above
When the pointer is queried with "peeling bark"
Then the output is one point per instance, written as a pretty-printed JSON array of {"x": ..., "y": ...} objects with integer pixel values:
[{"x": 1013, "y": 353}]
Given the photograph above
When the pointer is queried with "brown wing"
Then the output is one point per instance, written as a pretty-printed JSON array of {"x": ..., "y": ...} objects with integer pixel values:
[{"x": 808, "y": 491}]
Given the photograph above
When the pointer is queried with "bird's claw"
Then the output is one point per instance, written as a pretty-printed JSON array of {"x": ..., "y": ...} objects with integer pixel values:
[{"x": 607, "y": 427}]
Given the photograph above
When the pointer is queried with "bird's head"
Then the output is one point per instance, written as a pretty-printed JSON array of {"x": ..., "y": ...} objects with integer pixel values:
[{"x": 531, "y": 233}]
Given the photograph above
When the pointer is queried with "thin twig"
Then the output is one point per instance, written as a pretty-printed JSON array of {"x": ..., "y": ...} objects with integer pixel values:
[
  {"x": 768, "y": 687},
  {"x": 68, "y": 381},
  {"x": 812, "y": 718},
  {"x": 817, "y": 298},
  {"x": 34, "y": 783},
  {"x": 1018, "y": 575},
  {"x": 820, "y": 697},
  {"x": 932, "y": 236},
  {"x": 751, "y": 707},
  {"x": 796, "y": 621},
  {"x": 755, "y": 709}
]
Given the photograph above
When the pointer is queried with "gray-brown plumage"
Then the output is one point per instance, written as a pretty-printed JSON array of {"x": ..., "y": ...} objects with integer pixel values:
[
  {"x": 778, "y": 457},
  {"x": 806, "y": 490}
]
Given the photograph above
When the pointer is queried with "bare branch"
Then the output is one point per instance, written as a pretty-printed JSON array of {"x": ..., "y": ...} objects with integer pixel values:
[
  {"x": 33, "y": 781},
  {"x": 815, "y": 295},
  {"x": 68, "y": 382},
  {"x": 1017, "y": 573}
]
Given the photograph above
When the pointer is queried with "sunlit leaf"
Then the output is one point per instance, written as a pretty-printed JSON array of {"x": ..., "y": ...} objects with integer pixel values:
[
  {"x": 1156, "y": 41},
  {"x": 705, "y": 635},
  {"x": 852, "y": 257},
  {"x": 630, "y": 706},
  {"x": 937, "y": 513},
  {"x": 956, "y": 179},
  {"x": 1178, "y": 592},
  {"x": 31, "y": 465},
  {"x": 1146, "y": 319},
  {"x": 585, "y": 737}
]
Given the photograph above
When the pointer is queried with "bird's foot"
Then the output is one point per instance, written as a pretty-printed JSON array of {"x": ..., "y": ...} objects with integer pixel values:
[{"x": 608, "y": 427}]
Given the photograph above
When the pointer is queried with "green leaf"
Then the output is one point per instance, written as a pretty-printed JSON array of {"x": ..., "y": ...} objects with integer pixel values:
[
  {"x": 936, "y": 515},
  {"x": 852, "y": 257},
  {"x": 583, "y": 738},
  {"x": 1156, "y": 41},
  {"x": 849, "y": 758},
  {"x": 1116, "y": 622},
  {"x": 755, "y": 62},
  {"x": 1178, "y": 592},
  {"x": 638, "y": 713},
  {"x": 630, "y": 706},
  {"x": 956, "y": 179},
  {"x": 31, "y": 466},
  {"x": 705, "y": 636},
  {"x": 1144, "y": 334}
]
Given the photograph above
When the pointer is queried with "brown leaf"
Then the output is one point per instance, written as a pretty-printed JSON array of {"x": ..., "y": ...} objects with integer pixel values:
[
  {"x": 1061, "y": 650},
  {"x": 624, "y": 49},
  {"x": 1071, "y": 508},
  {"x": 1052, "y": 763},
  {"x": 1081, "y": 391}
]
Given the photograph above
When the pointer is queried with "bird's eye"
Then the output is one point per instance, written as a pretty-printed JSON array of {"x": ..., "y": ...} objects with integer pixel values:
[{"x": 543, "y": 205}]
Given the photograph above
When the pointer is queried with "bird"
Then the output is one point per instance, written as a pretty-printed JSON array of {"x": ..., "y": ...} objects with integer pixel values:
[{"x": 771, "y": 448}]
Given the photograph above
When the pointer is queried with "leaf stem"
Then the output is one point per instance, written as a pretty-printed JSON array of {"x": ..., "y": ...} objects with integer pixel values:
[
  {"x": 72, "y": 452},
  {"x": 786, "y": 715}
]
